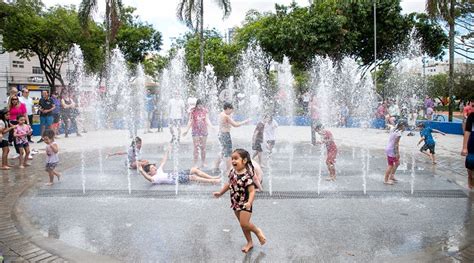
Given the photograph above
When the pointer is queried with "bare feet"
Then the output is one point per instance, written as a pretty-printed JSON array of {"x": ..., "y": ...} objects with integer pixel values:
[
  {"x": 21, "y": 166},
  {"x": 261, "y": 237},
  {"x": 48, "y": 184},
  {"x": 389, "y": 182},
  {"x": 58, "y": 175},
  {"x": 6, "y": 167},
  {"x": 247, "y": 247},
  {"x": 26, "y": 164},
  {"x": 392, "y": 178},
  {"x": 331, "y": 178}
]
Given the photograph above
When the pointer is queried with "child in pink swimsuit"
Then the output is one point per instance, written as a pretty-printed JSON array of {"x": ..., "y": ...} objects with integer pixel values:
[{"x": 331, "y": 148}]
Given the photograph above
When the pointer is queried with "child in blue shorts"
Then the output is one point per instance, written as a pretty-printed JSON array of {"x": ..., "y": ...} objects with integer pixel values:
[{"x": 427, "y": 137}]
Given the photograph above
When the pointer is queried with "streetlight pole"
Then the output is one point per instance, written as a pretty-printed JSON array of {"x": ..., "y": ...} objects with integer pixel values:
[{"x": 375, "y": 45}]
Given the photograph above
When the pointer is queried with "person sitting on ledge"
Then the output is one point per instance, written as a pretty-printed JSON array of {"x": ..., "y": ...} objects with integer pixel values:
[{"x": 156, "y": 175}]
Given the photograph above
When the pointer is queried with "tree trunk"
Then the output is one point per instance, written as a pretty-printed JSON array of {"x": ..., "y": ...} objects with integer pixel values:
[
  {"x": 451, "y": 59},
  {"x": 201, "y": 36}
]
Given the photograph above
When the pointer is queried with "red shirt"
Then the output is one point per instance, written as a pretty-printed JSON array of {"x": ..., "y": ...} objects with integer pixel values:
[
  {"x": 198, "y": 117},
  {"x": 17, "y": 110},
  {"x": 467, "y": 110}
]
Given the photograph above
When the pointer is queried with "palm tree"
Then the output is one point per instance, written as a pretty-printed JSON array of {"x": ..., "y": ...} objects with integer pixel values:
[
  {"x": 191, "y": 12},
  {"x": 112, "y": 19},
  {"x": 446, "y": 10}
]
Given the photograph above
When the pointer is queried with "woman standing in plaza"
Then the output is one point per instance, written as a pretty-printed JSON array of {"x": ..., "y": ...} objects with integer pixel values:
[{"x": 16, "y": 109}]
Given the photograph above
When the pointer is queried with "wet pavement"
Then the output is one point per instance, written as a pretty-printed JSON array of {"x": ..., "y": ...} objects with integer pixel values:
[{"x": 102, "y": 208}]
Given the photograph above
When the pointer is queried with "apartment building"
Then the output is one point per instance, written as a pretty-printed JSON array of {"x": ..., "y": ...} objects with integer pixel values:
[{"x": 21, "y": 73}]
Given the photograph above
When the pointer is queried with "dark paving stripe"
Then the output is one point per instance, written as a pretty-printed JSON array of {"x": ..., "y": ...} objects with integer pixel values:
[{"x": 261, "y": 195}]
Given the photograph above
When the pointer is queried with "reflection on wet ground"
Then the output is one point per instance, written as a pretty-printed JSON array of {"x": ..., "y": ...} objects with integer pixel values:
[{"x": 106, "y": 210}]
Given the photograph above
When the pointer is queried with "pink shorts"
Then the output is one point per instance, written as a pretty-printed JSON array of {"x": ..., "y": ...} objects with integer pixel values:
[{"x": 392, "y": 160}]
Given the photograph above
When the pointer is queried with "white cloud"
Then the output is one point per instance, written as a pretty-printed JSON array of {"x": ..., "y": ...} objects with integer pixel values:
[{"x": 162, "y": 14}]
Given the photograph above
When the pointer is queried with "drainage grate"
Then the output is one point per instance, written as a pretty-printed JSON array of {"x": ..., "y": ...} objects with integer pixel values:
[{"x": 261, "y": 195}]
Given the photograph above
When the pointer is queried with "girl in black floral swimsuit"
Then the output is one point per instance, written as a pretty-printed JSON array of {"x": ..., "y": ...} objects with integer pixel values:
[{"x": 242, "y": 194}]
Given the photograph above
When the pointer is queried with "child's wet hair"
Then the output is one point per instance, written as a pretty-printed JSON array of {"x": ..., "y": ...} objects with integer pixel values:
[
  {"x": 147, "y": 167},
  {"x": 49, "y": 134},
  {"x": 228, "y": 105},
  {"x": 318, "y": 126},
  {"x": 246, "y": 155},
  {"x": 19, "y": 117},
  {"x": 135, "y": 141}
]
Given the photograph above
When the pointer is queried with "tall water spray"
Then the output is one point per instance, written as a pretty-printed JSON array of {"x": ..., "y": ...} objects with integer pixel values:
[
  {"x": 252, "y": 83},
  {"x": 286, "y": 99},
  {"x": 341, "y": 87},
  {"x": 76, "y": 80},
  {"x": 174, "y": 83},
  {"x": 404, "y": 84},
  {"x": 207, "y": 90},
  {"x": 120, "y": 88}
]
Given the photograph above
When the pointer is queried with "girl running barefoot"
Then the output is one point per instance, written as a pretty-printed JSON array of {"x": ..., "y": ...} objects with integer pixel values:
[
  {"x": 242, "y": 194},
  {"x": 393, "y": 153},
  {"x": 331, "y": 148},
  {"x": 5, "y": 129},
  {"x": 52, "y": 159},
  {"x": 22, "y": 130}
]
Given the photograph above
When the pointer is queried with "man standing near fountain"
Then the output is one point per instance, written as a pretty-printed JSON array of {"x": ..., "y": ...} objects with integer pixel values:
[
  {"x": 46, "y": 108},
  {"x": 225, "y": 124},
  {"x": 175, "y": 115}
]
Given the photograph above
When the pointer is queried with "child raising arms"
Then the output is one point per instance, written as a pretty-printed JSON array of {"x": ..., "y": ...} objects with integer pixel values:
[
  {"x": 133, "y": 154},
  {"x": 52, "y": 159},
  {"x": 242, "y": 194}
]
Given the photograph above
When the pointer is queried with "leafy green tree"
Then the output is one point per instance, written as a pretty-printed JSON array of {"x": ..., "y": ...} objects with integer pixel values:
[
  {"x": 154, "y": 65},
  {"x": 338, "y": 29},
  {"x": 222, "y": 56},
  {"x": 112, "y": 17},
  {"x": 191, "y": 12},
  {"x": 436, "y": 85},
  {"x": 29, "y": 30},
  {"x": 135, "y": 38},
  {"x": 449, "y": 11}
]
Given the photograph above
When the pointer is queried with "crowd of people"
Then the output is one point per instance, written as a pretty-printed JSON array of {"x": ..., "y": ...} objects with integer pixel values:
[{"x": 243, "y": 169}]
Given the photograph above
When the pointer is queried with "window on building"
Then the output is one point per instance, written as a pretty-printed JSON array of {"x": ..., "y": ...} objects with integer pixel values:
[
  {"x": 37, "y": 70},
  {"x": 18, "y": 64}
]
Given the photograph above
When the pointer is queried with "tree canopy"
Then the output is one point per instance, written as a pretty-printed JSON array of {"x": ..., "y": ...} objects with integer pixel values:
[
  {"x": 29, "y": 29},
  {"x": 338, "y": 29}
]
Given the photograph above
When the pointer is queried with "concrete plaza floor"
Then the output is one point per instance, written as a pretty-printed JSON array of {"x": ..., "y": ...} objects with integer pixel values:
[{"x": 103, "y": 212}]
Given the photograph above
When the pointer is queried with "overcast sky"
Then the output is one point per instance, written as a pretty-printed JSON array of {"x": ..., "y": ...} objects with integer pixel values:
[{"x": 162, "y": 14}]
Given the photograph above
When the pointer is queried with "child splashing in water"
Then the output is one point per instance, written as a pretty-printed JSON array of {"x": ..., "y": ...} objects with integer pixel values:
[
  {"x": 393, "y": 153},
  {"x": 155, "y": 174},
  {"x": 331, "y": 148},
  {"x": 133, "y": 154},
  {"x": 242, "y": 194}
]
